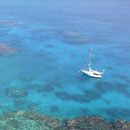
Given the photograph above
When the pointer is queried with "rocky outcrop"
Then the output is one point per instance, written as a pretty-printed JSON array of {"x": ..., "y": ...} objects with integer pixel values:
[
  {"x": 32, "y": 120},
  {"x": 29, "y": 120}
]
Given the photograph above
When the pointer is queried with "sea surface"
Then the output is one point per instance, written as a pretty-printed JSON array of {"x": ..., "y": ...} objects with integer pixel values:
[{"x": 44, "y": 44}]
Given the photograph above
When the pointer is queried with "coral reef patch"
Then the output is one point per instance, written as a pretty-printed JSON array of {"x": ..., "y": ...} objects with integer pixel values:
[
  {"x": 29, "y": 120},
  {"x": 9, "y": 22},
  {"x": 74, "y": 38},
  {"x": 26, "y": 78},
  {"x": 15, "y": 92},
  {"x": 32, "y": 120}
]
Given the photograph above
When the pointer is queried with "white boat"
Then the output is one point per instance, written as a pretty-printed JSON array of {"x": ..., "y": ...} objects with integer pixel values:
[{"x": 90, "y": 72}]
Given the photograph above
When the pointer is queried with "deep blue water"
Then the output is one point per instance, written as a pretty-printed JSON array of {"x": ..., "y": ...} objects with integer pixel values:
[{"x": 48, "y": 38}]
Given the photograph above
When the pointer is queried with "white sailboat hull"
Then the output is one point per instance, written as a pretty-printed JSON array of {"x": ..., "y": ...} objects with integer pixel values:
[{"x": 92, "y": 74}]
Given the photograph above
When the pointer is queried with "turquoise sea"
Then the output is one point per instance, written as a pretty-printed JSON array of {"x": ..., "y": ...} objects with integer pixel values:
[{"x": 44, "y": 44}]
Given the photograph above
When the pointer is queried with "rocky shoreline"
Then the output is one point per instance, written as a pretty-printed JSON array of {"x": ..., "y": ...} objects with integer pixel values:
[{"x": 32, "y": 120}]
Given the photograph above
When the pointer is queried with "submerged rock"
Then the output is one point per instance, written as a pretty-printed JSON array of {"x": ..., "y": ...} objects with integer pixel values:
[{"x": 15, "y": 92}]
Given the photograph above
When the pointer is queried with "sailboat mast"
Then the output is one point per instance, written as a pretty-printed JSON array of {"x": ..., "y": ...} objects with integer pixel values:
[{"x": 90, "y": 56}]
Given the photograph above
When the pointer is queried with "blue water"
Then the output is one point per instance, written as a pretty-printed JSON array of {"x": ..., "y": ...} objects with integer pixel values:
[{"x": 50, "y": 54}]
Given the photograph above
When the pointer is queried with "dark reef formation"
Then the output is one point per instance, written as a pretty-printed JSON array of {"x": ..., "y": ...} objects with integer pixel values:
[
  {"x": 32, "y": 120},
  {"x": 88, "y": 96}
]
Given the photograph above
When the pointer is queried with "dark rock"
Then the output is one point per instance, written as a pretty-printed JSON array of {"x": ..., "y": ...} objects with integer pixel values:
[
  {"x": 121, "y": 125},
  {"x": 63, "y": 95},
  {"x": 88, "y": 123},
  {"x": 54, "y": 109}
]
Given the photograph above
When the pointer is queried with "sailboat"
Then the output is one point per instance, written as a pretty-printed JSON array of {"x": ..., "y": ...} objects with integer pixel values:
[{"x": 90, "y": 72}]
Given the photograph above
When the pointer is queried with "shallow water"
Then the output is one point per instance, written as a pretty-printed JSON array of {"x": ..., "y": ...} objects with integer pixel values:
[{"x": 52, "y": 42}]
